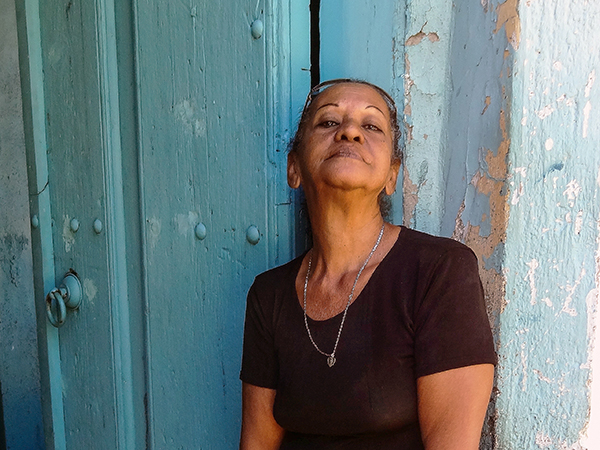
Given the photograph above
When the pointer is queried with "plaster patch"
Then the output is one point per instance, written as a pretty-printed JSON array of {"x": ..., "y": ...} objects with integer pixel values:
[
  {"x": 521, "y": 171},
  {"x": 549, "y": 144},
  {"x": 533, "y": 264},
  {"x": 508, "y": 16},
  {"x": 578, "y": 222},
  {"x": 545, "y": 112},
  {"x": 557, "y": 66},
  {"x": 547, "y": 302},
  {"x": 417, "y": 38},
  {"x": 517, "y": 194},
  {"x": 567, "y": 309},
  {"x": 586, "y": 118},
  {"x": 410, "y": 197},
  {"x": 186, "y": 222},
  {"x": 572, "y": 192},
  {"x": 460, "y": 231},
  {"x": 542, "y": 440},
  {"x": 523, "y": 367},
  {"x": 67, "y": 234},
  {"x": 590, "y": 83},
  {"x": 492, "y": 184},
  {"x": 185, "y": 111},
  {"x": 488, "y": 101},
  {"x": 90, "y": 290},
  {"x": 153, "y": 234},
  {"x": 542, "y": 377}
]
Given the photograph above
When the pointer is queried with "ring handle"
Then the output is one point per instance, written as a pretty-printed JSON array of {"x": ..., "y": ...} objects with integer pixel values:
[{"x": 55, "y": 302}]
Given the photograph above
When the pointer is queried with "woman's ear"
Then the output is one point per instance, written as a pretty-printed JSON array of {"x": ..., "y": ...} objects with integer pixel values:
[
  {"x": 390, "y": 186},
  {"x": 293, "y": 170}
]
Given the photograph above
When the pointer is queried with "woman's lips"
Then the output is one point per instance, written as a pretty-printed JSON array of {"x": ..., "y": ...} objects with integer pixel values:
[{"x": 345, "y": 152}]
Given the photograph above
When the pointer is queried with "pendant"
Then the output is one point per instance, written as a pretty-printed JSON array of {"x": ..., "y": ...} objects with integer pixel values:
[{"x": 330, "y": 360}]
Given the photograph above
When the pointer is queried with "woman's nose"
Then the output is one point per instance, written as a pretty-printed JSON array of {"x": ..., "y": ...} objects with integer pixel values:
[{"x": 349, "y": 131}]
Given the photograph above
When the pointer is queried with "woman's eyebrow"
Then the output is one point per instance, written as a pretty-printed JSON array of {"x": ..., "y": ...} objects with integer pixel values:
[
  {"x": 327, "y": 104},
  {"x": 373, "y": 106}
]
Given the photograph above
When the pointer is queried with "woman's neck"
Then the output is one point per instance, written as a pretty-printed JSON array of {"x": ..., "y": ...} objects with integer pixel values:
[{"x": 343, "y": 235}]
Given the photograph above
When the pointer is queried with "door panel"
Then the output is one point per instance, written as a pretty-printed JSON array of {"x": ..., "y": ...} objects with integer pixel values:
[
  {"x": 159, "y": 116},
  {"x": 203, "y": 159},
  {"x": 76, "y": 163}
]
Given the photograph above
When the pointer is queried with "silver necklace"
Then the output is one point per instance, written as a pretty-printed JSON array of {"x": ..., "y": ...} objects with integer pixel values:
[{"x": 331, "y": 356}]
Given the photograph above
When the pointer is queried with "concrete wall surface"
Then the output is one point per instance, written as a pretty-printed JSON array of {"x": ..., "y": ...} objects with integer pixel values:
[
  {"x": 551, "y": 265},
  {"x": 19, "y": 373},
  {"x": 502, "y": 143}
]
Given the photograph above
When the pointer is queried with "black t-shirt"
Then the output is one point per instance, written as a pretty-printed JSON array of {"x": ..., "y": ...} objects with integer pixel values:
[{"x": 421, "y": 312}]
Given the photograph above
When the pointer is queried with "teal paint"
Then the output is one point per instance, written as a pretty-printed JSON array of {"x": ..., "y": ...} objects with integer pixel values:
[
  {"x": 365, "y": 40},
  {"x": 115, "y": 228},
  {"x": 427, "y": 87},
  {"x": 31, "y": 70},
  {"x": 21, "y": 424},
  {"x": 287, "y": 58},
  {"x": 356, "y": 40},
  {"x": 208, "y": 120},
  {"x": 551, "y": 262}
]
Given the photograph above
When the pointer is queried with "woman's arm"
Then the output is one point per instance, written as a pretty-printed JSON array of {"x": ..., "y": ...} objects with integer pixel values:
[
  {"x": 452, "y": 406},
  {"x": 259, "y": 429}
]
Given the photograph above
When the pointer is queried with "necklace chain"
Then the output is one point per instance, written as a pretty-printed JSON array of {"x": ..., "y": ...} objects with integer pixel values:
[{"x": 331, "y": 356}]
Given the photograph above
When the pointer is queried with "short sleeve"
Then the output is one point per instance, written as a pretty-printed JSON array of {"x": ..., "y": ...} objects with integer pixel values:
[
  {"x": 452, "y": 329},
  {"x": 259, "y": 358}
]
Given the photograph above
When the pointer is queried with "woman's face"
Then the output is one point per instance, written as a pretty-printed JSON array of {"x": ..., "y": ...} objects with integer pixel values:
[{"x": 347, "y": 143}]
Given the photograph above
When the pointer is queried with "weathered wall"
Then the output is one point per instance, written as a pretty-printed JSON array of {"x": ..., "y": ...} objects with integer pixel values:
[
  {"x": 551, "y": 254},
  {"x": 501, "y": 153},
  {"x": 19, "y": 373}
]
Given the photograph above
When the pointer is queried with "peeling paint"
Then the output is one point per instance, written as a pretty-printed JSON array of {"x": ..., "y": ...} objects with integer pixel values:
[
  {"x": 417, "y": 38},
  {"x": 590, "y": 83},
  {"x": 586, "y": 118},
  {"x": 67, "y": 235},
  {"x": 154, "y": 227},
  {"x": 186, "y": 113},
  {"x": 185, "y": 223},
  {"x": 567, "y": 308},
  {"x": 488, "y": 102},
  {"x": 533, "y": 264},
  {"x": 508, "y": 17},
  {"x": 491, "y": 183},
  {"x": 411, "y": 196},
  {"x": 89, "y": 290}
]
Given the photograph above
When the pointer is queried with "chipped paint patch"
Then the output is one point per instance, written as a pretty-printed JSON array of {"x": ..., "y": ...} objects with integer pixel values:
[
  {"x": 186, "y": 113},
  {"x": 586, "y": 118},
  {"x": 416, "y": 39},
  {"x": 67, "y": 234},
  {"x": 491, "y": 183},
  {"x": 185, "y": 223},
  {"x": 153, "y": 231},
  {"x": 570, "y": 288},
  {"x": 411, "y": 197},
  {"x": 508, "y": 17},
  {"x": 533, "y": 264},
  {"x": 89, "y": 290}
]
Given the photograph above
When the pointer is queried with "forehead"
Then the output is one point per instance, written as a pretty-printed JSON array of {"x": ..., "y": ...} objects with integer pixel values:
[{"x": 351, "y": 94}]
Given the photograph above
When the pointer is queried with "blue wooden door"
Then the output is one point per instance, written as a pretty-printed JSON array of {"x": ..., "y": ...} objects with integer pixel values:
[{"x": 157, "y": 132}]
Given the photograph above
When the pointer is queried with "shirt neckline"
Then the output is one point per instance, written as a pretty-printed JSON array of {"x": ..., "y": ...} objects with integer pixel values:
[{"x": 392, "y": 249}]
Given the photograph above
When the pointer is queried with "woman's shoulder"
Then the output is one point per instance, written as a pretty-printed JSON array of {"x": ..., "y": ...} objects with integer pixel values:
[
  {"x": 427, "y": 247},
  {"x": 279, "y": 276}
]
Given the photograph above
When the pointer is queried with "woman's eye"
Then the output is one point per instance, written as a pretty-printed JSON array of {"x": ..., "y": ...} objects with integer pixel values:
[
  {"x": 328, "y": 123},
  {"x": 372, "y": 127}
]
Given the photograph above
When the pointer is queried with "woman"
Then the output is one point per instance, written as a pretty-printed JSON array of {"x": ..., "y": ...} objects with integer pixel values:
[{"x": 377, "y": 337}]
